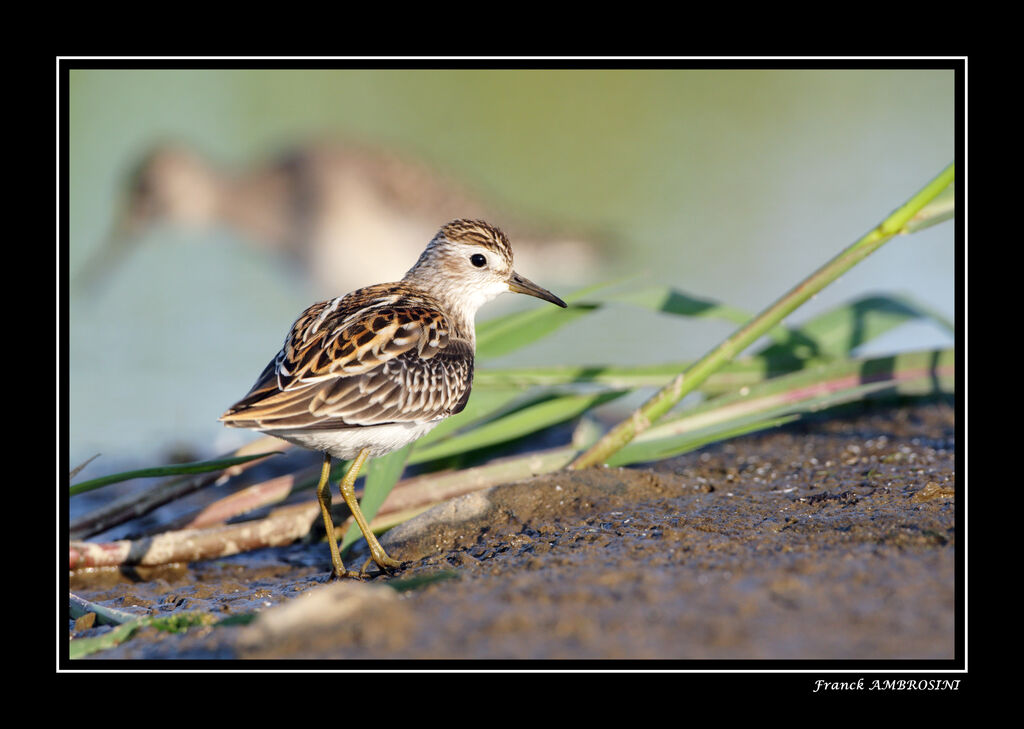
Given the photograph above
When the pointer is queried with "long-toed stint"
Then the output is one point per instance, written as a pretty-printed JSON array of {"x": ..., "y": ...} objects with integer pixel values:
[
  {"x": 316, "y": 203},
  {"x": 365, "y": 374}
]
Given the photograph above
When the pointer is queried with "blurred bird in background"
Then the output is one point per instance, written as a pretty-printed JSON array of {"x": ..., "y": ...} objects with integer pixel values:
[{"x": 349, "y": 214}]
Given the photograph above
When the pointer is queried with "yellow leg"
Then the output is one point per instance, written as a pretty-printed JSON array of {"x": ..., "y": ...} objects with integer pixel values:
[
  {"x": 348, "y": 493},
  {"x": 323, "y": 495}
]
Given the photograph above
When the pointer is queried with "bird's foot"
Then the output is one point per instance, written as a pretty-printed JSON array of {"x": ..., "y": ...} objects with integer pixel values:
[
  {"x": 384, "y": 562},
  {"x": 346, "y": 574}
]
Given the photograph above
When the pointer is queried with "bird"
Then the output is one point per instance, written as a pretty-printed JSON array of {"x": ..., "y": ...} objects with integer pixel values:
[
  {"x": 365, "y": 374},
  {"x": 313, "y": 203}
]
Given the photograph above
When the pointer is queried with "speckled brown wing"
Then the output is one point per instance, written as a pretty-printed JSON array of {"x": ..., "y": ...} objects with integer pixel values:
[{"x": 368, "y": 359}]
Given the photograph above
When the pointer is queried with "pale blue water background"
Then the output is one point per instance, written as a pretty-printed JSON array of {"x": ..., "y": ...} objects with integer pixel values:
[{"x": 727, "y": 184}]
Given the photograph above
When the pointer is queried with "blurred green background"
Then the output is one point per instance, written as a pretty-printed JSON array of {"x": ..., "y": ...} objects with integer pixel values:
[{"x": 727, "y": 184}]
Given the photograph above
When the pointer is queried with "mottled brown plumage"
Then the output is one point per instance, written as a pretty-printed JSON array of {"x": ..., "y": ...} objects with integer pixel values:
[
  {"x": 383, "y": 354},
  {"x": 365, "y": 374}
]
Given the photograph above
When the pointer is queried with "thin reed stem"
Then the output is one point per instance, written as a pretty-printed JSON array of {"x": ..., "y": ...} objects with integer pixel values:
[{"x": 688, "y": 380}]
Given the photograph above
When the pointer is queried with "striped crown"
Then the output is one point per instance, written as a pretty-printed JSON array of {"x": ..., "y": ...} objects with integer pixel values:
[{"x": 480, "y": 233}]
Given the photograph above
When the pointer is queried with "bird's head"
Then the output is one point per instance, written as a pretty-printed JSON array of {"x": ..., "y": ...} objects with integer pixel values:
[{"x": 470, "y": 262}]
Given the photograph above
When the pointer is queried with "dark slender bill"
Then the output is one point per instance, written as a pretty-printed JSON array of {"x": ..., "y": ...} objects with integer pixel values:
[{"x": 522, "y": 285}]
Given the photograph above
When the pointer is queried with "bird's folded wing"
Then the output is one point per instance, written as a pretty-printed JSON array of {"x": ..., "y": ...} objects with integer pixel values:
[{"x": 338, "y": 368}]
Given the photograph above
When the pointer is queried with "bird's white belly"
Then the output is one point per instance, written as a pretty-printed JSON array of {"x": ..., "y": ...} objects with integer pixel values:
[{"x": 346, "y": 443}]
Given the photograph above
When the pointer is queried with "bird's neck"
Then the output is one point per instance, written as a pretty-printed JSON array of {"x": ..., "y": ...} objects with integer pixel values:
[{"x": 459, "y": 302}]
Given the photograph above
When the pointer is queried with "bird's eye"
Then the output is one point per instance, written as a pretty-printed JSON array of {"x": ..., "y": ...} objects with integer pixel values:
[{"x": 478, "y": 260}]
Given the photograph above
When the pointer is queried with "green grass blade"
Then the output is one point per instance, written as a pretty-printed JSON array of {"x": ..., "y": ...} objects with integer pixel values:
[
  {"x": 173, "y": 470},
  {"x": 484, "y": 403},
  {"x": 504, "y": 334},
  {"x": 797, "y": 394},
  {"x": 686, "y": 382},
  {"x": 407, "y": 584},
  {"x": 381, "y": 476},
  {"x": 934, "y": 366},
  {"x": 657, "y": 449},
  {"x": 651, "y": 447},
  {"x": 516, "y": 424},
  {"x": 942, "y": 208},
  {"x": 554, "y": 376},
  {"x": 838, "y": 332},
  {"x": 81, "y": 647},
  {"x": 105, "y": 615},
  {"x": 517, "y": 330},
  {"x": 824, "y": 336},
  {"x": 669, "y": 300},
  {"x": 176, "y": 623},
  {"x": 737, "y": 373}
]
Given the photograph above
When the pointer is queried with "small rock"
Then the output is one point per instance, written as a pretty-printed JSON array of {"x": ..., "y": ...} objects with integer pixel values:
[
  {"x": 85, "y": 622},
  {"x": 933, "y": 490},
  {"x": 339, "y": 619}
]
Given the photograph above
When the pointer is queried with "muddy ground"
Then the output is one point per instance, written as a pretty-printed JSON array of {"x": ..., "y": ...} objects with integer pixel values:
[{"x": 828, "y": 539}]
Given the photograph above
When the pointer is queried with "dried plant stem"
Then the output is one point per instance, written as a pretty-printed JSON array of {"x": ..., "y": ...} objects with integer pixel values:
[
  {"x": 135, "y": 505},
  {"x": 435, "y": 487},
  {"x": 79, "y": 606},
  {"x": 189, "y": 545},
  {"x": 410, "y": 493},
  {"x": 289, "y": 523},
  {"x": 687, "y": 381},
  {"x": 249, "y": 498},
  {"x": 77, "y": 469}
]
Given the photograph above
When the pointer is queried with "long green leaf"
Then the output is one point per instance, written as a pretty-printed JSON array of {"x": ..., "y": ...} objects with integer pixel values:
[
  {"x": 504, "y": 334},
  {"x": 648, "y": 450},
  {"x": 517, "y": 330},
  {"x": 686, "y": 382},
  {"x": 176, "y": 623},
  {"x": 651, "y": 447},
  {"x": 484, "y": 403},
  {"x": 81, "y": 647},
  {"x": 739, "y": 373},
  {"x": 834, "y": 334},
  {"x": 106, "y": 615},
  {"x": 839, "y": 331},
  {"x": 669, "y": 300},
  {"x": 796, "y": 394},
  {"x": 174, "y": 470},
  {"x": 520, "y": 422},
  {"x": 942, "y": 208},
  {"x": 937, "y": 367}
]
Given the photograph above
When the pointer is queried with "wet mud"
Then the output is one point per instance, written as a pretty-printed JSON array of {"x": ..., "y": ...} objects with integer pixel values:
[{"x": 827, "y": 539}]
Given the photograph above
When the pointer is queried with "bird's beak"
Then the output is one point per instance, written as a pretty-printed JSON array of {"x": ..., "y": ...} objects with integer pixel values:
[{"x": 520, "y": 285}]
